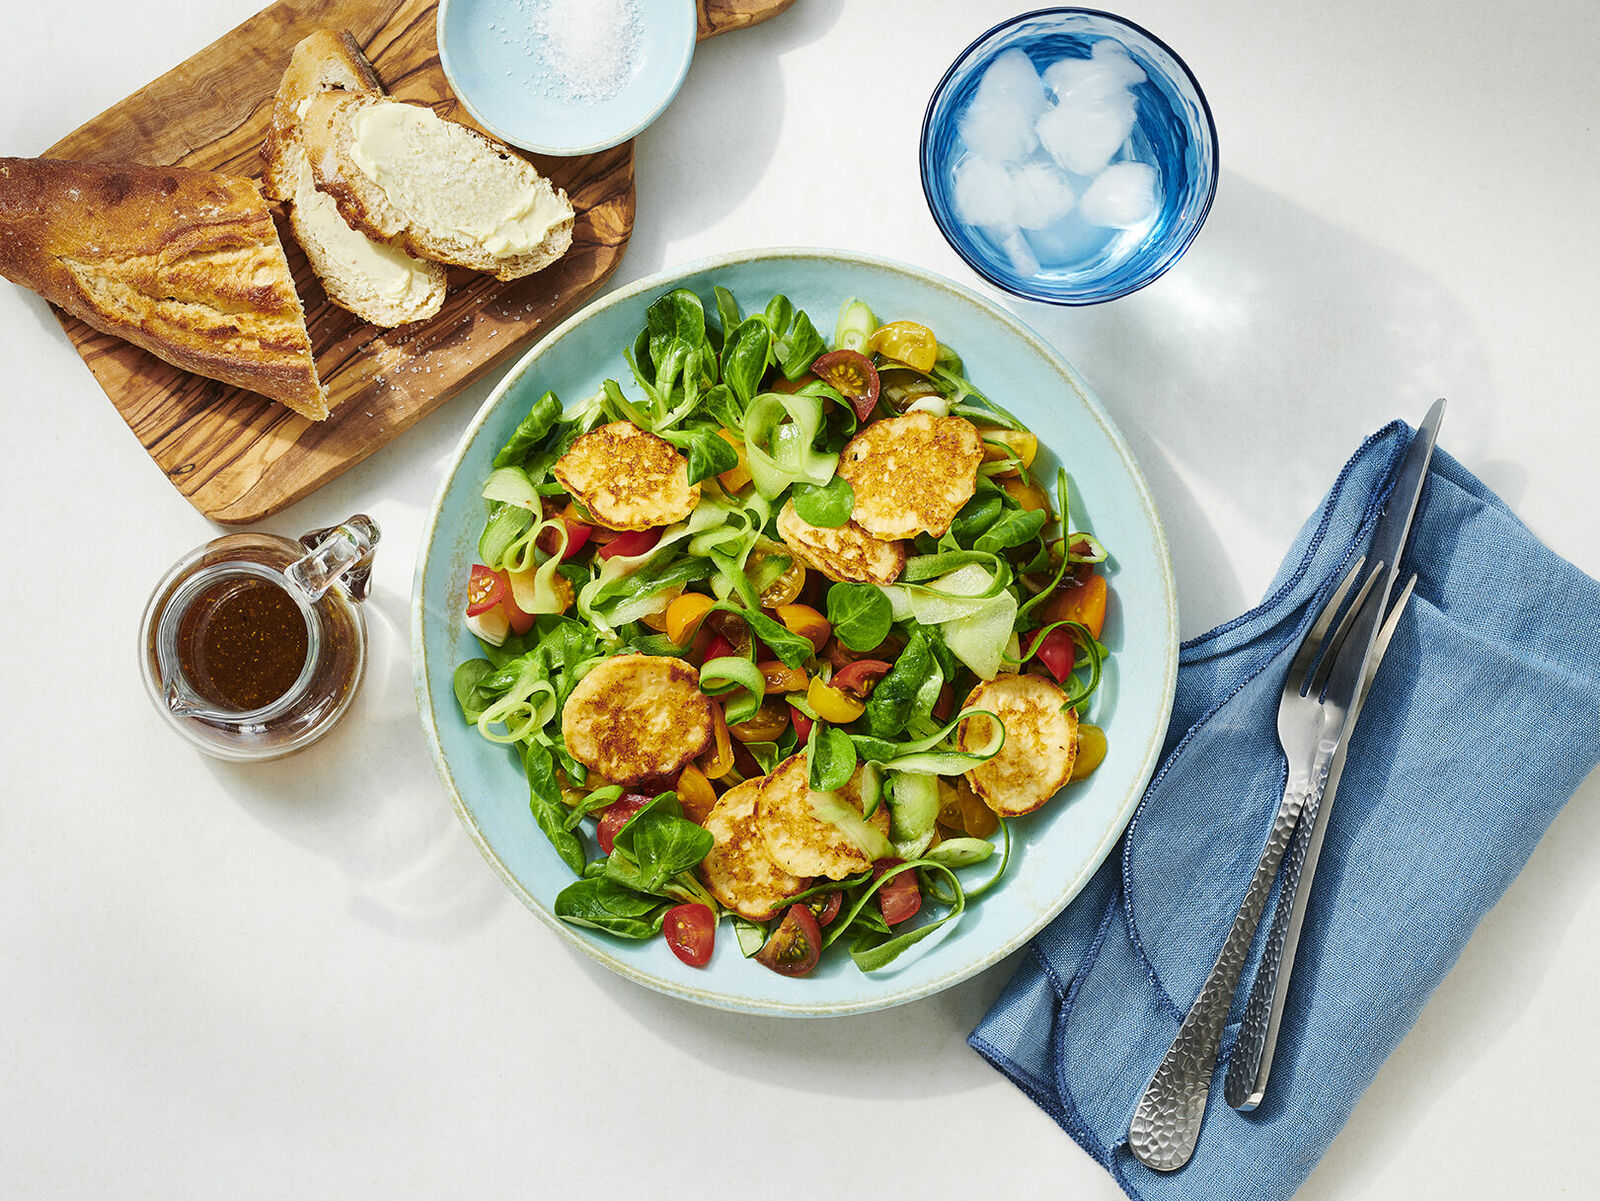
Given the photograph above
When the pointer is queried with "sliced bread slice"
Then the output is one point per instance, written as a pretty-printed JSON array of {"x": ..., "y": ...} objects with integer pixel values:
[
  {"x": 447, "y": 192},
  {"x": 377, "y": 280},
  {"x": 326, "y": 61}
]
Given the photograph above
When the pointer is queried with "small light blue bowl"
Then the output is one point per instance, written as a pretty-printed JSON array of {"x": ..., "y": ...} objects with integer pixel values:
[
  {"x": 1174, "y": 132},
  {"x": 501, "y": 68}
]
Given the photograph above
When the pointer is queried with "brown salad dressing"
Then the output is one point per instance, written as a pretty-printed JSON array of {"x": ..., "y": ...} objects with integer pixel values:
[{"x": 242, "y": 643}]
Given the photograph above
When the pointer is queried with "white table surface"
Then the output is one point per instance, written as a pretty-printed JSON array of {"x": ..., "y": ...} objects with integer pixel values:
[{"x": 301, "y": 978}]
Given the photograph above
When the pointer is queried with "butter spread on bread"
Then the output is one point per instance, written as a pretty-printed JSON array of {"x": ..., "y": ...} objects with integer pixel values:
[
  {"x": 185, "y": 264},
  {"x": 376, "y": 279},
  {"x": 447, "y": 192}
]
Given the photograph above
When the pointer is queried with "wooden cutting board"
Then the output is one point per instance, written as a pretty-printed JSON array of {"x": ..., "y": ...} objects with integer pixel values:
[{"x": 238, "y": 456}]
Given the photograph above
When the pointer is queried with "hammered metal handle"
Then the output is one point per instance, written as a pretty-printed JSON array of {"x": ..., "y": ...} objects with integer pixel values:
[
  {"x": 1166, "y": 1123},
  {"x": 1244, "y": 1064}
]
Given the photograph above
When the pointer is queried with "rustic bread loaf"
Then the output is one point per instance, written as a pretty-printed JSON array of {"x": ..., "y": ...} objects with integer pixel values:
[
  {"x": 447, "y": 192},
  {"x": 186, "y": 264},
  {"x": 377, "y": 280}
]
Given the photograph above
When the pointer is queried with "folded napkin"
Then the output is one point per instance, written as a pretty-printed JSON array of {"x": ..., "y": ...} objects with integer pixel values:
[{"x": 1483, "y": 721}]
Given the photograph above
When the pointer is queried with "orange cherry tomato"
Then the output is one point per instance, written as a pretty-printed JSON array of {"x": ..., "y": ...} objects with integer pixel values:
[
  {"x": 735, "y": 477},
  {"x": 1085, "y": 603},
  {"x": 780, "y": 677},
  {"x": 807, "y": 622},
  {"x": 695, "y": 793},
  {"x": 718, "y": 761},
  {"x": 765, "y": 724},
  {"x": 684, "y": 615}
]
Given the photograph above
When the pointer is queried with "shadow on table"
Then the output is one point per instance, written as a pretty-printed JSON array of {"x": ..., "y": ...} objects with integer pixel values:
[
  {"x": 1337, "y": 335},
  {"x": 410, "y": 869},
  {"x": 723, "y": 126}
]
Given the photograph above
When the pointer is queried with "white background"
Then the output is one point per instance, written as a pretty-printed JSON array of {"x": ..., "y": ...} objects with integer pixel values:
[{"x": 301, "y": 979}]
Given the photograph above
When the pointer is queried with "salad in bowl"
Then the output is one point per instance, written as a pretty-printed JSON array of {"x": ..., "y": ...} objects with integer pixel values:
[{"x": 784, "y": 629}]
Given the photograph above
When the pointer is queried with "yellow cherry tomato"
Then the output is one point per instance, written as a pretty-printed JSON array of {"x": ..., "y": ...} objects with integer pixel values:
[
  {"x": 832, "y": 704},
  {"x": 735, "y": 477},
  {"x": 1030, "y": 496},
  {"x": 905, "y": 342},
  {"x": 695, "y": 794},
  {"x": 1091, "y": 750},
  {"x": 684, "y": 616},
  {"x": 718, "y": 760}
]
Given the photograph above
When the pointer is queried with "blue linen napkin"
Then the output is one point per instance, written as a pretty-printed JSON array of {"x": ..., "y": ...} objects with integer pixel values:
[{"x": 1483, "y": 721}]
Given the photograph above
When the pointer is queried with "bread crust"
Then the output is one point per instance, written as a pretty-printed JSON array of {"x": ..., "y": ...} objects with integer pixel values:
[{"x": 185, "y": 264}]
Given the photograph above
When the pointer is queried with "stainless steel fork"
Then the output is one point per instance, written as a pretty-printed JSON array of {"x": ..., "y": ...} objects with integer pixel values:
[{"x": 1167, "y": 1121}]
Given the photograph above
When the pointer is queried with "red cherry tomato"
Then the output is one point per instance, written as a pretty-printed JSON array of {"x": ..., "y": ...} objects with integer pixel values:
[
  {"x": 802, "y": 725},
  {"x": 859, "y": 678},
  {"x": 632, "y": 542},
  {"x": 826, "y": 907},
  {"x": 1057, "y": 650},
  {"x": 521, "y": 622},
  {"x": 577, "y": 538},
  {"x": 691, "y": 932},
  {"x": 852, "y": 375},
  {"x": 485, "y": 590},
  {"x": 616, "y": 815},
  {"x": 718, "y": 648},
  {"x": 899, "y": 897},
  {"x": 794, "y": 947}
]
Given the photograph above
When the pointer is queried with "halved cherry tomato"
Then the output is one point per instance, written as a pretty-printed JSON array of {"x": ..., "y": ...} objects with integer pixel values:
[
  {"x": 695, "y": 793},
  {"x": 485, "y": 590},
  {"x": 826, "y": 907},
  {"x": 830, "y": 704},
  {"x": 718, "y": 648},
  {"x": 906, "y": 342},
  {"x": 684, "y": 615},
  {"x": 945, "y": 704},
  {"x": 765, "y": 724},
  {"x": 691, "y": 932},
  {"x": 1057, "y": 650},
  {"x": 1091, "y": 750},
  {"x": 899, "y": 897},
  {"x": 616, "y": 815},
  {"x": 787, "y": 587},
  {"x": 802, "y": 725},
  {"x": 860, "y": 677},
  {"x": 577, "y": 537},
  {"x": 780, "y": 677},
  {"x": 853, "y": 376},
  {"x": 1085, "y": 602},
  {"x": 807, "y": 622},
  {"x": 631, "y": 542},
  {"x": 786, "y": 385},
  {"x": 1013, "y": 444},
  {"x": 793, "y": 948},
  {"x": 718, "y": 760},
  {"x": 1030, "y": 496},
  {"x": 519, "y": 621}
]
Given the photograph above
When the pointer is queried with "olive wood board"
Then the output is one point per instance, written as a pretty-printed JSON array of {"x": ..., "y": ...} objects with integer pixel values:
[{"x": 239, "y": 457}]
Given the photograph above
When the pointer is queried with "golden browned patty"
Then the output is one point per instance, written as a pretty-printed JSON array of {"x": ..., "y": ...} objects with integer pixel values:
[
  {"x": 800, "y": 842},
  {"x": 1041, "y": 743},
  {"x": 627, "y": 478},
  {"x": 911, "y": 474},
  {"x": 739, "y": 870},
  {"x": 637, "y": 717},
  {"x": 846, "y": 552}
]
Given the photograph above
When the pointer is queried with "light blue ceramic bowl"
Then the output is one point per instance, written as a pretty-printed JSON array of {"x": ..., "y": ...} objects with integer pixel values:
[
  {"x": 1056, "y": 849},
  {"x": 506, "y": 72}
]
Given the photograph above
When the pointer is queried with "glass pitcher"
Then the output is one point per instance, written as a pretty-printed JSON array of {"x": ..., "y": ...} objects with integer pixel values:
[{"x": 252, "y": 646}]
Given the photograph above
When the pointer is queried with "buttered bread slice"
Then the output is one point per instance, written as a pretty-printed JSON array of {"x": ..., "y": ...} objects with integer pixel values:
[
  {"x": 376, "y": 279},
  {"x": 186, "y": 264},
  {"x": 446, "y": 192}
]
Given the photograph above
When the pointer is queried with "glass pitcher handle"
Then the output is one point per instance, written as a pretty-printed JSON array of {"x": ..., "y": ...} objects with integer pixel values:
[{"x": 340, "y": 553}]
